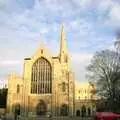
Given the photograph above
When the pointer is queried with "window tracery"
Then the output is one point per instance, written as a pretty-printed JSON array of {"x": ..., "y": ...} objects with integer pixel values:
[{"x": 41, "y": 79}]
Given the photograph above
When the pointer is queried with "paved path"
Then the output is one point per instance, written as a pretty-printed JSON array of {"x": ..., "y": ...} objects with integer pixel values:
[{"x": 64, "y": 118}]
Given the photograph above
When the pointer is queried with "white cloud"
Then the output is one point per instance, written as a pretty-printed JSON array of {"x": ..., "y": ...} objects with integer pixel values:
[
  {"x": 21, "y": 30},
  {"x": 9, "y": 62},
  {"x": 110, "y": 9},
  {"x": 114, "y": 14},
  {"x": 79, "y": 63},
  {"x": 81, "y": 57},
  {"x": 44, "y": 30},
  {"x": 115, "y": 10}
]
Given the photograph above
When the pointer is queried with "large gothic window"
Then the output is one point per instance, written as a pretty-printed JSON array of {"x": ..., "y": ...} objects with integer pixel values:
[{"x": 41, "y": 79}]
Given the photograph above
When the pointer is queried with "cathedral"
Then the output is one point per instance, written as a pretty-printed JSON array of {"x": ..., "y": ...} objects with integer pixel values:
[{"x": 47, "y": 85}]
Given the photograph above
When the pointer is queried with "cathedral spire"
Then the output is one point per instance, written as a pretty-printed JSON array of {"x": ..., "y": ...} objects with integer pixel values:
[
  {"x": 63, "y": 46},
  {"x": 63, "y": 40}
]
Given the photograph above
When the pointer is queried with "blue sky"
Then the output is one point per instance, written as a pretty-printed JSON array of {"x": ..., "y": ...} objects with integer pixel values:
[{"x": 90, "y": 26}]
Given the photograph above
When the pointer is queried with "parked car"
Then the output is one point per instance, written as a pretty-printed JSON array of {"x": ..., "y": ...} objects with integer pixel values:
[{"x": 107, "y": 116}]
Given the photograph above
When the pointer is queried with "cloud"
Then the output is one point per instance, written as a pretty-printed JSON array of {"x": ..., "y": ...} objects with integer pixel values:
[
  {"x": 89, "y": 25},
  {"x": 81, "y": 57},
  {"x": 109, "y": 14},
  {"x": 114, "y": 17},
  {"x": 79, "y": 63},
  {"x": 9, "y": 62}
]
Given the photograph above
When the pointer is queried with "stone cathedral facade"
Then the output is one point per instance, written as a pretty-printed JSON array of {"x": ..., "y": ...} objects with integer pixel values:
[{"x": 47, "y": 85}]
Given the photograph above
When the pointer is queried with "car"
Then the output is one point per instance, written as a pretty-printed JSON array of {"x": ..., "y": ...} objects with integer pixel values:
[{"x": 107, "y": 116}]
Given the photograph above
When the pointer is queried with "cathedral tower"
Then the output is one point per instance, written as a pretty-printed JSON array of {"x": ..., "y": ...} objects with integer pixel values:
[{"x": 46, "y": 87}]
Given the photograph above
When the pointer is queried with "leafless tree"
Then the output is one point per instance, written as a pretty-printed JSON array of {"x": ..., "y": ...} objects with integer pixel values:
[{"x": 104, "y": 71}]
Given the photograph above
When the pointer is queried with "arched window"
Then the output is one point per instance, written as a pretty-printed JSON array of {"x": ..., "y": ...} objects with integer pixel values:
[
  {"x": 18, "y": 88},
  {"x": 41, "y": 51},
  {"x": 41, "y": 79},
  {"x": 65, "y": 58},
  {"x": 63, "y": 87}
]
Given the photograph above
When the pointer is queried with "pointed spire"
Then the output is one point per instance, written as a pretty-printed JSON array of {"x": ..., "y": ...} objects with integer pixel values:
[
  {"x": 62, "y": 30},
  {"x": 63, "y": 33},
  {"x": 63, "y": 46}
]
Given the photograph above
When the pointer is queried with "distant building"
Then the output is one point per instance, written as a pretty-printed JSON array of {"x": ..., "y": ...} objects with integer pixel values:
[
  {"x": 47, "y": 86},
  {"x": 85, "y": 100}
]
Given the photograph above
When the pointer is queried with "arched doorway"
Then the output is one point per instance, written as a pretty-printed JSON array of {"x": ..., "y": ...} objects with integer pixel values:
[
  {"x": 64, "y": 110},
  {"x": 41, "y": 108},
  {"x": 83, "y": 111},
  {"x": 89, "y": 112},
  {"x": 78, "y": 113},
  {"x": 17, "y": 109}
]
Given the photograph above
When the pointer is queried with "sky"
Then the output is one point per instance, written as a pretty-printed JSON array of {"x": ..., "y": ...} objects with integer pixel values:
[{"x": 90, "y": 26}]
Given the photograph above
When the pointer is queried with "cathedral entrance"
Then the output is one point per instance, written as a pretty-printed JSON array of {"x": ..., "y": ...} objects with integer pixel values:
[
  {"x": 17, "y": 109},
  {"x": 83, "y": 111},
  {"x": 41, "y": 108},
  {"x": 64, "y": 110},
  {"x": 89, "y": 112},
  {"x": 78, "y": 113}
]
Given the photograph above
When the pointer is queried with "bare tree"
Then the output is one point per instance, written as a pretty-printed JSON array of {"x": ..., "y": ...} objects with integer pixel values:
[{"x": 104, "y": 71}]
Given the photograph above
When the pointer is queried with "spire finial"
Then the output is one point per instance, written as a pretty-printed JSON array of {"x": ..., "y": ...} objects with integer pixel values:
[
  {"x": 63, "y": 46},
  {"x": 63, "y": 32},
  {"x": 62, "y": 26}
]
